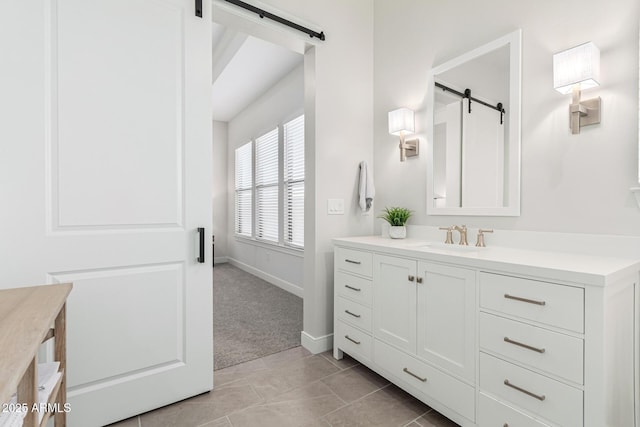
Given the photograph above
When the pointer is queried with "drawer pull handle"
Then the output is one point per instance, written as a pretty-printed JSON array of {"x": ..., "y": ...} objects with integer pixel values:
[
  {"x": 352, "y": 340},
  {"x": 519, "y": 344},
  {"x": 527, "y": 392},
  {"x": 350, "y": 261},
  {"x": 352, "y": 314},
  {"x": 352, "y": 288},
  {"x": 424, "y": 380},
  {"x": 530, "y": 301}
]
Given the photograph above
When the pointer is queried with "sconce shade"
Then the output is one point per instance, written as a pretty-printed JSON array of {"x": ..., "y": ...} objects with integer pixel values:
[
  {"x": 580, "y": 64},
  {"x": 401, "y": 121}
]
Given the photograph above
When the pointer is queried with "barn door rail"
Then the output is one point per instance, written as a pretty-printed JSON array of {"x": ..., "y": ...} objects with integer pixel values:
[{"x": 264, "y": 14}]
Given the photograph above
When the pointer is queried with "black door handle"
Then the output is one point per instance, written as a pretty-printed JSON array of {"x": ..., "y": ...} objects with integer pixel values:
[{"x": 201, "y": 244}]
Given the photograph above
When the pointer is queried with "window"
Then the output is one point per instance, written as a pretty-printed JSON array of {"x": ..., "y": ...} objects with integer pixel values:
[
  {"x": 267, "y": 186},
  {"x": 270, "y": 173},
  {"x": 294, "y": 182},
  {"x": 244, "y": 189}
]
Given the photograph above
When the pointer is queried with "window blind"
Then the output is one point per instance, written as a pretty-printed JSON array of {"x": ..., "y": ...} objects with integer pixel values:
[
  {"x": 244, "y": 184},
  {"x": 294, "y": 182},
  {"x": 267, "y": 186}
]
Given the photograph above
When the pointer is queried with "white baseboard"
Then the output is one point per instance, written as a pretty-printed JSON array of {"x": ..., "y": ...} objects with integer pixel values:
[
  {"x": 316, "y": 345},
  {"x": 282, "y": 284},
  {"x": 220, "y": 259}
]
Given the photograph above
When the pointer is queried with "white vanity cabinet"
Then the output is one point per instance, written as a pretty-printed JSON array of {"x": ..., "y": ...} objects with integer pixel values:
[
  {"x": 447, "y": 318},
  {"x": 353, "y": 299},
  {"x": 532, "y": 347},
  {"x": 395, "y": 302},
  {"x": 412, "y": 300},
  {"x": 495, "y": 337}
]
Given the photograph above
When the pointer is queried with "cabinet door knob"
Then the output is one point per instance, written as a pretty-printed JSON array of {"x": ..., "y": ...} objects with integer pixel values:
[
  {"x": 411, "y": 278},
  {"x": 419, "y": 279}
]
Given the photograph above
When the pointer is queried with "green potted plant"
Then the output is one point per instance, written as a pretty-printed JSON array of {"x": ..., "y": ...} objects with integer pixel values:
[{"x": 397, "y": 219}]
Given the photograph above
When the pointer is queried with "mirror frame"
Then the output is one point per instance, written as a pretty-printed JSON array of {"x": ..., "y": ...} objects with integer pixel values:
[{"x": 514, "y": 41}]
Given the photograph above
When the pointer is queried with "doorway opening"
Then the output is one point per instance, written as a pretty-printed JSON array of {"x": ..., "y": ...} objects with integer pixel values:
[{"x": 258, "y": 98}]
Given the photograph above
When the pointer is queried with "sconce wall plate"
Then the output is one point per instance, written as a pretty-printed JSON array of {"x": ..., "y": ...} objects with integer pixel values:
[
  {"x": 584, "y": 113},
  {"x": 409, "y": 148}
]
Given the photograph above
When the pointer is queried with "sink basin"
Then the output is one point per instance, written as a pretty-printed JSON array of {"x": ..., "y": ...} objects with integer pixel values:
[{"x": 450, "y": 247}]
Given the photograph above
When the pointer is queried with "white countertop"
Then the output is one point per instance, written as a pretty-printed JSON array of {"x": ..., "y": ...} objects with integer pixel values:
[{"x": 568, "y": 267}]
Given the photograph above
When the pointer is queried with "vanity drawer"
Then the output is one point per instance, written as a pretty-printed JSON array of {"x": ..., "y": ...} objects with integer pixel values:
[
  {"x": 354, "y": 287},
  {"x": 354, "y": 313},
  {"x": 552, "y": 352},
  {"x": 555, "y": 305},
  {"x": 492, "y": 413},
  {"x": 354, "y": 261},
  {"x": 553, "y": 400},
  {"x": 447, "y": 390},
  {"x": 352, "y": 340}
]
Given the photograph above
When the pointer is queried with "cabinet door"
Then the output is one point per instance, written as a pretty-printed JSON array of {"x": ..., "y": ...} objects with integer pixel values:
[
  {"x": 446, "y": 318},
  {"x": 394, "y": 299}
]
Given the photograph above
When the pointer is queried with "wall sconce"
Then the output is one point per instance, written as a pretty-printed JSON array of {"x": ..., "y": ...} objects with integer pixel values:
[
  {"x": 401, "y": 122},
  {"x": 574, "y": 70}
]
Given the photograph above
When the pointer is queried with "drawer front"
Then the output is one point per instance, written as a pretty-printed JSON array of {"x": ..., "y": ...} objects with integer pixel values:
[
  {"x": 447, "y": 390},
  {"x": 551, "y": 399},
  {"x": 354, "y": 313},
  {"x": 353, "y": 341},
  {"x": 552, "y": 352},
  {"x": 354, "y": 287},
  {"x": 555, "y": 305},
  {"x": 353, "y": 261},
  {"x": 492, "y": 413}
]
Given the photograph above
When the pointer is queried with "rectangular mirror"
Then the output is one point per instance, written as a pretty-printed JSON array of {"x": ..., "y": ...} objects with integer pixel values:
[{"x": 473, "y": 131}]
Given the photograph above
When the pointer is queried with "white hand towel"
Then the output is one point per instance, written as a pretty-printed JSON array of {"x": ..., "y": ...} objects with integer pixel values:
[{"x": 366, "y": 189}]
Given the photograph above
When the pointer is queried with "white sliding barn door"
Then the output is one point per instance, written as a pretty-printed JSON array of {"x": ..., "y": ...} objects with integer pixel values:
[
  {"x": 482, "y": 156},
  {"x": 105, "y": 175}
]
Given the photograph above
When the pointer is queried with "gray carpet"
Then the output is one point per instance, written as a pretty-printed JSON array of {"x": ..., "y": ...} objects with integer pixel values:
[{"x": 251, "y": 318}]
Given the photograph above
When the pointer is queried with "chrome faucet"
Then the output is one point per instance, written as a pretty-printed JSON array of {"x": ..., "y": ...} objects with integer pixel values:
[{"x": 463, "y": 234}]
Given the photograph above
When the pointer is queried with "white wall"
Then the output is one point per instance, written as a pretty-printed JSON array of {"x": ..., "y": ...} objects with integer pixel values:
[
  {"x": 220, "y": 191},
  {"x": 339, "y": 96},
  {"x": 282, "y": 102},
  {"x": 572, "y": 183}
]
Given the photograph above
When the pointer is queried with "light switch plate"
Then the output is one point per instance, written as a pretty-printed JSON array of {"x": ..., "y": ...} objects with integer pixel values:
[{"x": 335, "y": 206}]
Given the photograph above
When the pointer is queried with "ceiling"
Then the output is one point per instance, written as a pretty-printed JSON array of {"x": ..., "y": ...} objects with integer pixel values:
[{"x": 245, "y": 67}]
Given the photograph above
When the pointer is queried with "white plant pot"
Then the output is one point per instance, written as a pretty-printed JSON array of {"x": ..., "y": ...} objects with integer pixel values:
[{"x": 397, "y": 231}]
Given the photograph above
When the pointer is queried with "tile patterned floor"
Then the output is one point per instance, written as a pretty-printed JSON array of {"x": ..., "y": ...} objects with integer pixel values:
[{"x": 296, "y": 389}]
